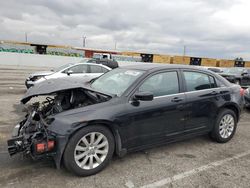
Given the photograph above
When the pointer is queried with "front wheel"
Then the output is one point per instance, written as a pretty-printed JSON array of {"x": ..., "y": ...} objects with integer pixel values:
[
  {"x": 89, "y": 150},
  {"x": 225, "y": 126}
]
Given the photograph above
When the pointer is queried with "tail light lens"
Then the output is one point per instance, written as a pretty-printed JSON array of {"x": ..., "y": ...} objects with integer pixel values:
[
  {"x": 242, "y": 91},
  {"x": 45, "y": 146}
]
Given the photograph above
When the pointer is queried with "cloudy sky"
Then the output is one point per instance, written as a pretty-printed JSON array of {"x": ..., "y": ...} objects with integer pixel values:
[{"x": 208, "y": 28}]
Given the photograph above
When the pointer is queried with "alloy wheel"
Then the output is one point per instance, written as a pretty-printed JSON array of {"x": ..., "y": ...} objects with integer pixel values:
[
  {"x": 91, "y": 150},
  {"x": 226, "y": 126}
]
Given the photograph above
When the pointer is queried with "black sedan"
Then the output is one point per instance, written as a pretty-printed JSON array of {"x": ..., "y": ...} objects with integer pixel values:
[
  {"x": 237, "y": 75},
  {"x": 125, "y": 110}
]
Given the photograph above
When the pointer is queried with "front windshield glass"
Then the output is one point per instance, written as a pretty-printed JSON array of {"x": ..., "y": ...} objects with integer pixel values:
[
  {"x": 233, "y": 70},
  {"x": 62, "y": 67},
  {"x": 116, "y": 81}
]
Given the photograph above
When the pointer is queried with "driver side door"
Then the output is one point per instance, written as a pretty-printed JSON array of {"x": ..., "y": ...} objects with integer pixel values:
[{"x": 156, "y": 121}]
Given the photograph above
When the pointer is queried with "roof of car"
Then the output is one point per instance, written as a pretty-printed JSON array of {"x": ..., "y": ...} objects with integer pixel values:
[{"x": 156, "y": 66}]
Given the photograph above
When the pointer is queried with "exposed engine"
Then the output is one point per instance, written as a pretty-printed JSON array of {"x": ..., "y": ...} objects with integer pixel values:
[
  {"x": 31, "y": 136},
  {"x": 66, "y": 100}
]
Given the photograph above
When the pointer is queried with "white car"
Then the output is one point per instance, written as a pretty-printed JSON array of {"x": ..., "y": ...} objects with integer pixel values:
[{"x": 79, "y": 71}]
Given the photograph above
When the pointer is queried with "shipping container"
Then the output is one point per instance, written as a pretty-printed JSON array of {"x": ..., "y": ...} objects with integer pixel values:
[
  {"x": 181, "y": 60},
  {"x": 131, "y": 54},
  {"x": 247, "y": 64},
  {"x": 226, "y": 63},
  {"x": 208, "y": 62},
  {"x": 162, "y": 58}
]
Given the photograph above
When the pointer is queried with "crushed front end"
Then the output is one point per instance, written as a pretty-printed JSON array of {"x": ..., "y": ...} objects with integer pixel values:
[
  {"x": 31, "y": 136},
  {"x": 41, "y": 134}
]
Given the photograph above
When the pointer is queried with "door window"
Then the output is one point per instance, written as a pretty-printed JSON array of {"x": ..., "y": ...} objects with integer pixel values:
[
  {"x": 78, "y": 69},
  {"x": 198, "y": 81},
  {"x": 161, "y": 84},
  {"x": 96, "y": 69}
]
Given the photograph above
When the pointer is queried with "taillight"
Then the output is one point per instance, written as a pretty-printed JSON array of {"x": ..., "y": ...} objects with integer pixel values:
[
  {"x": 242, "y": 91},
  {"x": 45, "y": 146}
]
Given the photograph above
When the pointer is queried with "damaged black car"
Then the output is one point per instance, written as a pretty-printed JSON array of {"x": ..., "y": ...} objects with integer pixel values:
[{"x": 125, "y": 110}]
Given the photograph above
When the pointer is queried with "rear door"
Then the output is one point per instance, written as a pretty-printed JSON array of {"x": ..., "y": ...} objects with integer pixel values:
[
  {"x": 201, "y": 100},
  {"x": 96, "y": 71}
]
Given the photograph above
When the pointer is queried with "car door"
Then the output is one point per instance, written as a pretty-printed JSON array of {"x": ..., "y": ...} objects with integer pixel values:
[
  {"x": 202, "y": 97},
  {"x": 155, "y": 121},
  {"x": 76, "y": 71}
]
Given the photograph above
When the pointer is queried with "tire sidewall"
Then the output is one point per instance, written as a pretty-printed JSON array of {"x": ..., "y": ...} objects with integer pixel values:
[{"x": 69, "y": 160}]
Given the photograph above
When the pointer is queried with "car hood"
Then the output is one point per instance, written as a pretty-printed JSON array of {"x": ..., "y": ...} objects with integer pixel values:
[
  {"x": 41, "y": 73},
  {"x": 54, "y": 85}
]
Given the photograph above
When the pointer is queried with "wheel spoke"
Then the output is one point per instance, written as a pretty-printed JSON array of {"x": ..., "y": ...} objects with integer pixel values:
[
  {"x": 101, "y": 151},
  {"x": 91, "y": 162},
  {"x": 80, "y": 148},
  {"x": 92, "y": 138},
  {"x": 102, "y": 144},
  {"x": 85, "y": 141},
  {"x": 97, "y": 159},
  {"x": 80, "y": 156},
  {"x": 99, "y": 138},
  {"x": 82, "y": 164}
]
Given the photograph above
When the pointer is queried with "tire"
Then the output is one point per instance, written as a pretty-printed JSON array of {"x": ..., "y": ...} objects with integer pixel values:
[
  {"x": 226, "y": 120},
  {"x": 80, "y": 150}
]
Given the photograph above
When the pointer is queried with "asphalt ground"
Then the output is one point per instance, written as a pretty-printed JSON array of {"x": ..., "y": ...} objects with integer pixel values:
[{"x": 196, "y": 162}]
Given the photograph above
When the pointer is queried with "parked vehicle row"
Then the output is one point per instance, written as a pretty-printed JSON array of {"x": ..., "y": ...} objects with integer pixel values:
[
  {"x": 125, "y": 110},
  {"x": 237, "y": 75}
]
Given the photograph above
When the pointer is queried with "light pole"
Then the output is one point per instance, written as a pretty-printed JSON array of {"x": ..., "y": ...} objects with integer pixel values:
[
  {"x": 84, "y": 41},
  {"x": 184, "y": 50},
  {"x": 26, "y": 37}
]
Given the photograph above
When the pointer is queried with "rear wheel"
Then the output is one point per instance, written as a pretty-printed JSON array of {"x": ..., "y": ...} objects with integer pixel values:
[
  {"x": 89, "y": 150},
  {"x": 225, "y": 126}
]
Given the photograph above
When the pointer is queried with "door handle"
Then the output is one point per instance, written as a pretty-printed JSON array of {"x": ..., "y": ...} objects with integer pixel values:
[
  {"x": 177, "y": 99},
  {"x": 214, "y": 93}
]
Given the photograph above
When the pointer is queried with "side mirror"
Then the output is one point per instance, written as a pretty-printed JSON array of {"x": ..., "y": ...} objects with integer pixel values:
[
  {"x": 69, "y": 72},
  {"x": 144, "y": 96}
]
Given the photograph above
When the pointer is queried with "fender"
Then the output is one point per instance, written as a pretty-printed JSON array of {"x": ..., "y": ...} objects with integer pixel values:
[{"x": 63, "y": 138}]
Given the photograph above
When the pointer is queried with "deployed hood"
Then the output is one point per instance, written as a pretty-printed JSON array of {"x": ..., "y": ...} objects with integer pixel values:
[{"x": 51, "y": 86}]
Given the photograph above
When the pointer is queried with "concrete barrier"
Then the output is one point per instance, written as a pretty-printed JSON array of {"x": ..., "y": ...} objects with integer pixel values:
[{"x": 36, "y": 60}]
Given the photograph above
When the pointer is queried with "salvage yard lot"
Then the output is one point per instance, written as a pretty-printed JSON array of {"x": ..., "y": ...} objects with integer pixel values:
[{"x": 197, "y": 162}]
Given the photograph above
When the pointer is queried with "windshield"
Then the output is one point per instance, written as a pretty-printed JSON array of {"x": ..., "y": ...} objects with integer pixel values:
[
  {"x": 233, "y": 70},
  {"x": 116, "y": 81},
  {"x": 62, "y": 67}
]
